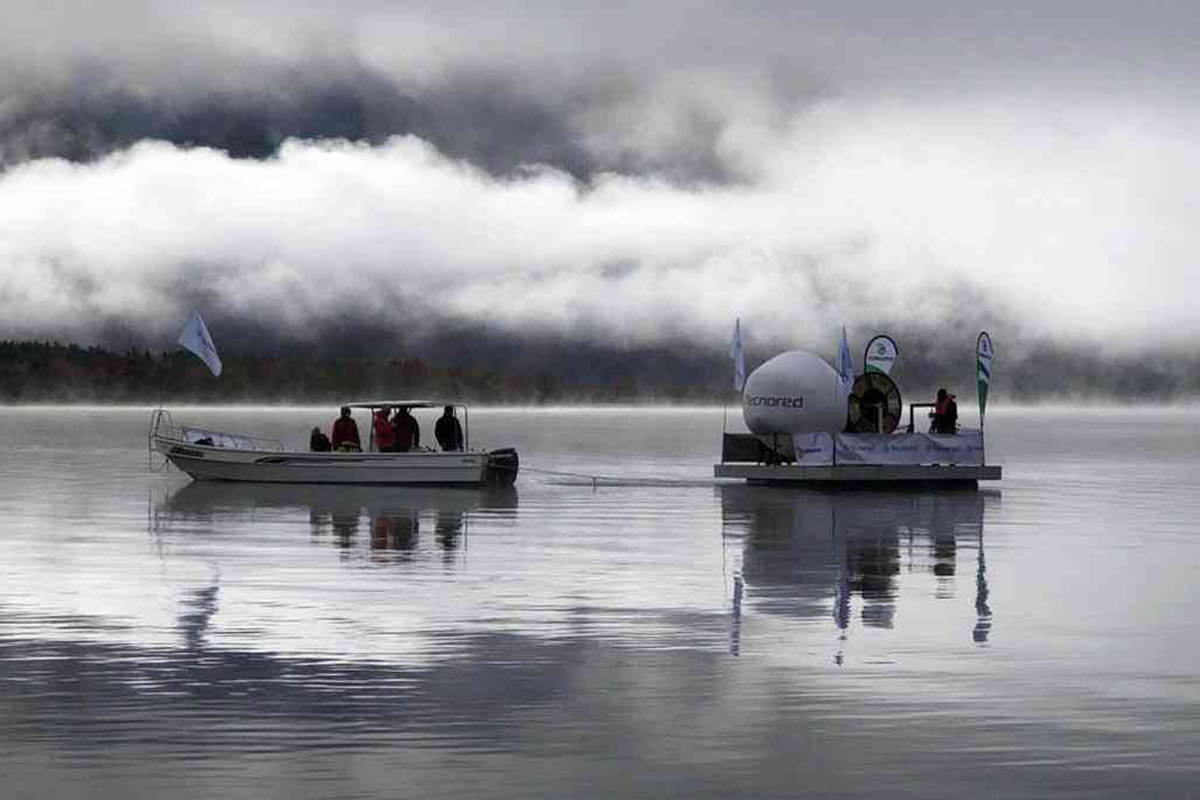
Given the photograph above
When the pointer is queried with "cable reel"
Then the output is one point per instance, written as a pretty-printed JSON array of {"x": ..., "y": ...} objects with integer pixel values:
[{"x": 874, "y": 399}]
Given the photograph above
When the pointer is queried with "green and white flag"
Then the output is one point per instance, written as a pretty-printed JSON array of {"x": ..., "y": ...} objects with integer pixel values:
[
  {"x": 881, "y": 354},
  {"x": 983, "y": 369}
]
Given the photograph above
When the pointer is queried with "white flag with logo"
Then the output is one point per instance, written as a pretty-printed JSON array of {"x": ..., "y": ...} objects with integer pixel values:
[
  {"x": 739, "y": 360},
  {"x": 845, "y": 365},
  {"x": 880, "y": 355},
  {"x": 195, "y": 337}
]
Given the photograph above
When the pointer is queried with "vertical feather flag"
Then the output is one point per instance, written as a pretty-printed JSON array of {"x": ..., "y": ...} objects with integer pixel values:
[
  {"x": 983, "y": 370},
  {"x": 880, "y": 355}
]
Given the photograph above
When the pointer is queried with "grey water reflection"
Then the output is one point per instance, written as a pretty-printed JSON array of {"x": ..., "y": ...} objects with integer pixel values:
[
  {"x": 161, "y": 639},
  {"x": 818, "y": 555},
  {"x": 201, "y": 605},
  {"x": 390, "y": 519}
]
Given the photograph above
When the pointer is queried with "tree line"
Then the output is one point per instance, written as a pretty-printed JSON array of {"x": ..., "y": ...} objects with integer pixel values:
[
  {"x": 54, "y": 372},
  {"x": 540, "y": 372}
]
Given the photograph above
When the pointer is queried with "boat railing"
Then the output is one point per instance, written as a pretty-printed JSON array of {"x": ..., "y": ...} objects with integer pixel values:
[{"x": 162, "y": 426}]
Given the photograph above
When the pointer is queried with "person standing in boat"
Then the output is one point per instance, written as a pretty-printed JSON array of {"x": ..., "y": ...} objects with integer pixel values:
[
  {"x": 345, "y": 433},
  {"x": 385, "y": 436},
  {"x": 448, "y": 432},
  {"x": 407, "y": 431},
  {"x": 945, "y": 413}
]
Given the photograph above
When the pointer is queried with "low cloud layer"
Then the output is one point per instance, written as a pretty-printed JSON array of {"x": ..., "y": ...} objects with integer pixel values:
[{"x": 635, "y": 178}]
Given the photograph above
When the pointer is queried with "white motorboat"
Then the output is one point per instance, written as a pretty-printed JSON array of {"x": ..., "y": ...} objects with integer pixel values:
[{"x": 210, "y": 455}]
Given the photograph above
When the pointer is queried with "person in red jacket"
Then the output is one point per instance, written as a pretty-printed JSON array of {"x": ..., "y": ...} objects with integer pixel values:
[
  {"x": 345, "y": 433},
  {"x": 385, "y": 436}
]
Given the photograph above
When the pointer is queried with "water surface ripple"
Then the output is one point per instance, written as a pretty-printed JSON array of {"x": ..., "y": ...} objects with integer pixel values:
[{"x": 654, "y": 633}]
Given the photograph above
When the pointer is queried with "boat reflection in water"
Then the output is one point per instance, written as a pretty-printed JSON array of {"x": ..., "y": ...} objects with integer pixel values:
[
  {"x": 843, "y": 555},
  {"x": 387, "y": 521}
]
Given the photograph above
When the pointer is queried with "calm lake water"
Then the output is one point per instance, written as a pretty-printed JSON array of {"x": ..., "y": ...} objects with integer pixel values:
[{"x": 654, "y": 634}]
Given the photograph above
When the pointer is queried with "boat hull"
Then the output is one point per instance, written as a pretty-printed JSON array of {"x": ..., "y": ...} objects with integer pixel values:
[{"x": 204, "y": 463}]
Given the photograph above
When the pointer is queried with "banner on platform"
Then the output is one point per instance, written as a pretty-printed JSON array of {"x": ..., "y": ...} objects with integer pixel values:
[
  {"x": 824, "y": 449},
  {"x": 965, "y": 447},
  {"x": 813, "y": 449}
]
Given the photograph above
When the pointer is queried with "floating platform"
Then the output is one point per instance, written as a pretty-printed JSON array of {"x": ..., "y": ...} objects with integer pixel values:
[
  {"x": 867, "y": 474},
  {"x": 866, "y": 459}
]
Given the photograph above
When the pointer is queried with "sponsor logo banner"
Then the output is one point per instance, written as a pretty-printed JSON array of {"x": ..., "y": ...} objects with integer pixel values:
[
  {"x": 813, "y": 449},
  {"x": 775, "y": 401},
  {"x": 965, "y": 447}
]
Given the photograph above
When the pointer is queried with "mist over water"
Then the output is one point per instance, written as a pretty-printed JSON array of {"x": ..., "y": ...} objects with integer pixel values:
[{"x": 170, "y": 638}]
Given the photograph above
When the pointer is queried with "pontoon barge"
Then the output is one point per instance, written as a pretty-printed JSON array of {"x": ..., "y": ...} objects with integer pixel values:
[{"x": 859, "y": 459}]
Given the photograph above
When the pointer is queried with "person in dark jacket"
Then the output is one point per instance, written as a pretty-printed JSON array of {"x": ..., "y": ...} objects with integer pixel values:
[
  {"x": 345, "y": 433},
  {"x": 950, "y": 415},
  {"x": 945, "y": 413},
  {"x": 318, "y": 442},
  {"x": 448, "y": 432},
  {"x": 407, "y": 431}
]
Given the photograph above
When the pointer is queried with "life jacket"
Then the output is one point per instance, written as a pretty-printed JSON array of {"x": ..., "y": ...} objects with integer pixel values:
[{"x": 385, "y": 438}]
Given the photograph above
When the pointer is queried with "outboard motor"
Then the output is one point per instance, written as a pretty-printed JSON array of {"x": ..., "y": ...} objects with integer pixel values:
[{"x": 502, "y": 467}]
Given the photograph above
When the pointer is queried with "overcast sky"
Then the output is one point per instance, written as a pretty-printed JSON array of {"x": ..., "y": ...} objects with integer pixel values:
[{"x": 634, "y": 171}]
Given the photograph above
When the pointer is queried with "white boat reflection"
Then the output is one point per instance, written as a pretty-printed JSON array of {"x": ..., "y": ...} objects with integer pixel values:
[
  {"x": 381, "y": 518},
  {"x": 203, "y": 497}
]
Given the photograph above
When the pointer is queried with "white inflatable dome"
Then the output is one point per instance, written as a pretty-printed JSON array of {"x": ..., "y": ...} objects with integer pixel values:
[{"x": 794, "y": 392}]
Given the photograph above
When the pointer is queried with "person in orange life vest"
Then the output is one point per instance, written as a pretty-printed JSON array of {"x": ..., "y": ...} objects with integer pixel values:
[
  {"x": 385, "y": 438},
  {"x": 945, "y": 413},
  {"x": 408, "y": 432},
  {"x": 345, "y": 433}
]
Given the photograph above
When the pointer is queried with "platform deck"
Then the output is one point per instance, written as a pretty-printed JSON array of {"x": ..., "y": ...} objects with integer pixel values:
[{"x": 858, "y": 473}]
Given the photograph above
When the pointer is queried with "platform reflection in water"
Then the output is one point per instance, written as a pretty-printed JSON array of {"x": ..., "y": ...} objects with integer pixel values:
[{"x": 816, "y": 554}]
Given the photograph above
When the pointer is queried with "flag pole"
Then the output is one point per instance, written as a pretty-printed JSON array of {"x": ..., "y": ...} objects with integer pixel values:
[{"x": 739, "y": 376}]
